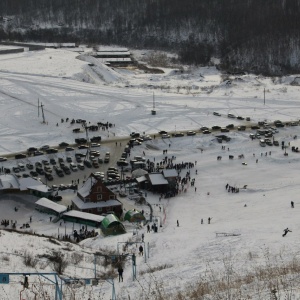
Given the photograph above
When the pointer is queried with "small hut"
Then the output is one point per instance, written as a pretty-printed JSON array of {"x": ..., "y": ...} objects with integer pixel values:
[
  {"x": 134, "y": 216},
  {"x": 111, "y": 225}
]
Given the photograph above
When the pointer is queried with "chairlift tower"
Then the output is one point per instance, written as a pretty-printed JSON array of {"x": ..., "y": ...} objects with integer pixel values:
[
  {"x": 153, "y": 111},
  {"x": 87, "y": 140},
  {"x": 41, "y": 106}
]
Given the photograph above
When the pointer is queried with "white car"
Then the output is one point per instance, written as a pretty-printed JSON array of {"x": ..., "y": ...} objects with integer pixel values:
[
  {"x": 94, "y": 145},
  {"x": 147, "y": 137},
  {"x": 3, "y": 159},
  {"x": 165, "y": 136},
  {"x": 231, "y": 116}
]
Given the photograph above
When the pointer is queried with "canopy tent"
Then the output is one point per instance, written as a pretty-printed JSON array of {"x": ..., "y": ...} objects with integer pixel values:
[
  {"x": 138, "y": 173},
  {"x": 111, "y": 225}
]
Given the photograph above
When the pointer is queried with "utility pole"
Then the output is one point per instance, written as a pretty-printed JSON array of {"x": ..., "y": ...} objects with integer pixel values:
[{"x": 264, "y": 96}]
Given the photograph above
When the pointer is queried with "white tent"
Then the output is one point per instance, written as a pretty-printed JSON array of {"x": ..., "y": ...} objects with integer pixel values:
[{"x": 138, "y": 173}]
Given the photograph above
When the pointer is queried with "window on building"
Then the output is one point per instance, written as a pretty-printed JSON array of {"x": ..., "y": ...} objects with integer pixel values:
[
  {"x": 111, "y": 196},
  {"x": 99, "y": 209},
  {"x": 99, "y": 197}
]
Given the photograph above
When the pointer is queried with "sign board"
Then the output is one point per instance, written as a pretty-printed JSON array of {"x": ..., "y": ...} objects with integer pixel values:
[{"x": 4, "y": 278}]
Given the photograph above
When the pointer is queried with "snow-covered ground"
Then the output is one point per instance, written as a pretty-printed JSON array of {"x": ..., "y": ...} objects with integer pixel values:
[{"x": 256, "y": 215}]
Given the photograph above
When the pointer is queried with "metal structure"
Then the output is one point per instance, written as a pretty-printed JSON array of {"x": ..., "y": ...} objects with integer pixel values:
[
  {"x": 41, "y": 106},
  {"x": 4, "y": 279}
]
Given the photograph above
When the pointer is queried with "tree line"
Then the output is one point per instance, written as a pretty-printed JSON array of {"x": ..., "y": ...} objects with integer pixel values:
[{"x": 247, "y": 35}]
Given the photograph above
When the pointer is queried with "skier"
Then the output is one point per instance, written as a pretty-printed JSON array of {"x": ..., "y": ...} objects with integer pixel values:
[
  {"x": 177, "y": 223},
  {"x": 286, "y": 231},
  {"x": 209, "y": 219},
  {"x": 292, "y": 204}
]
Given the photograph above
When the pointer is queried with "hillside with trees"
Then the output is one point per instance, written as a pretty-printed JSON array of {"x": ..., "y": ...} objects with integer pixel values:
[{"x": 246, "y": 35}]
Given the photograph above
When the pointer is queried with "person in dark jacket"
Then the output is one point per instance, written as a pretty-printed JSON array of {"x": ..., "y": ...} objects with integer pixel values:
[{"x": 120, "y": 271}]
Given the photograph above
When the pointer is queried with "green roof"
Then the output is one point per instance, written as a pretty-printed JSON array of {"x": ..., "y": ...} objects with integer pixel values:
[
  {"x": 110, "y": 220},
  {"x": 134, "y": 216}
]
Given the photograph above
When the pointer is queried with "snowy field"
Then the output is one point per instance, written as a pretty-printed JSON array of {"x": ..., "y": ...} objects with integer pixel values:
[{"x": 254, "y": 218}]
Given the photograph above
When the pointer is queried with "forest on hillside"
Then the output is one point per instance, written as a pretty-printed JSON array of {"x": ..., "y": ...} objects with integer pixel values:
[{"x": 246, "y": 35}]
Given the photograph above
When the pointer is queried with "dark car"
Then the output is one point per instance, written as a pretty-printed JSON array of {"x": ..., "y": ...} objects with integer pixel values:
[
  {"x": 134, "y": 134},
  {"x": 216, "y": 114},
  {"x": 163, "y": 132},
  {"x": 255, "y": 127},
  {"x": 96, "y": 138},
  {"x": 20, "y": 155},
  {"x": 87, "y": 164},
  {"x": 80, "y": 140},
  {"x": 230, "y": 126},
  {"x": 275, "y": 143},
  {"x": 40, "y": 171},
  {"x": 49, "y": 176},
  {"x": 32, "y": 149},
  {"x": 178, "y": 134},
  {"x": 206, "y": 132},
  {"x": 240, "y": 118},
  {"x": 224, "y": 130},
  {"x": 69, "y": 149},
  {"x": 33, "y": 173},
  {"x": 69, "y": 159},
  {"x": 83, "y": 147},
  {"x": 203, "y": 128},
  {"x": 63, "y": 144},
  {"x": 37, "y": 153},
  {"x": 29, "y": 166},
  {"x": 51, "y": 150},
  {"x": 216, "y": 127},
  {"x": 52, "y": 161}
]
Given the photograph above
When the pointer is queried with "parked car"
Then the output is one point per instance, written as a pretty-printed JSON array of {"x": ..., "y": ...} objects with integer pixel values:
[
  {"x": 33, "y": 173},
  {"x": 69, "y": 149},
  {"x": 240, "y": 118},
  {"x": 52, "y": 161},
  {"x": 275, "y": 143},
  {"x": 40, "y": 171},
  {"x": 69, "y": 159},
  {"x": 165, "y": 136},
  {"x": 231, "y": 116},
  {"x": 224, "y": 129},
  {"x": 37, "y": 153},
  {"x": 80, "y": 166},
  {"x": 45, "y": 147},
  {"x": 20, "y": 156},
  {"x": 206, "y": 132},
  {"x": 216, "y": 114},
  {"x": 29, "y": 166},
  {"x": 3, "y": 159},
  {"x": 73, "y": 167},
  {"x": 230, "y": 126},
  {"x": 16, "y": 169},
  {"x": 204, "y": 128},
  {"x": 83, "y": 147},
  {"x": 87, "y": 163},
  {"x": 45, "y": 162},
  {"x": 49, "y": 176},
  {"x": 51, "y": 150},
  {"x": 216, "y": 127},
  {"x": 178, "y": 134},
  {"x": 94, "y": 145},
  {"x": 63, "y": 144},
  {"x": 189, "y": 133}
]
